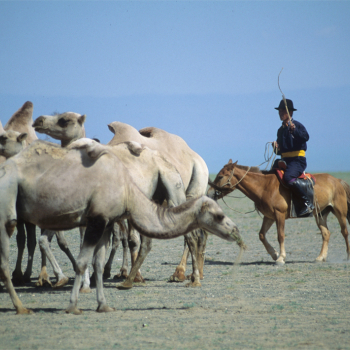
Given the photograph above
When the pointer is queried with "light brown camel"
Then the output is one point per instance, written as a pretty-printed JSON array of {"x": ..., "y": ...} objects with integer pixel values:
[
  {"x": 17, "y": 134},
  {"x": 194, "y": 173},
  {"x": 103, "y": 192}
]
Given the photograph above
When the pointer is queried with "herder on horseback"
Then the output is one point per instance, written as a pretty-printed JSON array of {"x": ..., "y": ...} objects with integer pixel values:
[{"x": 291, "y": 145}]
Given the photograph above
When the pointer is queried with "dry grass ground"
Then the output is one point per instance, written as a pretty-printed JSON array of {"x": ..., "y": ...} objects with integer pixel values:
[{"x": 255, "y": 305}]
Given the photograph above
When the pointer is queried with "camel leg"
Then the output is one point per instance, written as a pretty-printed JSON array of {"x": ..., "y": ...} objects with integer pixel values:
[
  {"x": 146, "y": 246},
  {"x": 202, "y": 242},
  {"x": 31, "y": 244},
  {"x": 93, "y": 233},
  {"x": 62, "y": 243},
  {"x": 280, "y": 223},
  {"x": 44, "y": 278},
  {"x": 5, "y": 234},
  {"x": 17, "y": 275},
  {"x": 179, "y": 274},
  {"x": 115, "y": 245},
  {"x": 123, "y": 231},
  {"x": 192, "y": 241},
  {"x": 267, "y": 223},
  {"x": 44, "y": 244},
  {"x": 134, "y": 243}
]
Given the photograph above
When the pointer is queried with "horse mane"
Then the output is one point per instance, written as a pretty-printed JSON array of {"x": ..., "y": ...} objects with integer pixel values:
[{"x": 253, "y": 169}]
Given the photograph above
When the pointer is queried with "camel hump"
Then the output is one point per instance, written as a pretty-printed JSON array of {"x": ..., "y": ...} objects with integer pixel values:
[
  {"x": 135, "y": 147},
  {"x": 93, "y": 148},
  {"x": 148, "y": 132}
]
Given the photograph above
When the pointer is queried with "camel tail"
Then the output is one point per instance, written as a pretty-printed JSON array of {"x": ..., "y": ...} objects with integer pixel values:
[{"x": 347, "y": 190}]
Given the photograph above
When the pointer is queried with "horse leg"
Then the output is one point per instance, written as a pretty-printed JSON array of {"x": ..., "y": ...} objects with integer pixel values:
[
  {"x": 17, "y": 275},
  {"x": 31, "y": 244},
  {"x": 146, "y": 246},
  {"x": 5, "y": 234},
  {"x": 280, "y": 223},
  {"x": 341, "y": 214},
  {"x": 267, "y": 223},
  {"x": 179, "y": 274}
]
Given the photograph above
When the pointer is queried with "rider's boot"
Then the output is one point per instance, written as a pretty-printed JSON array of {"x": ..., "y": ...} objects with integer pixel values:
[{"x": 299, "y": 188}]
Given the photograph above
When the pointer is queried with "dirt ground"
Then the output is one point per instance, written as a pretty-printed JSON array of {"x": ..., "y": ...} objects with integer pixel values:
[{"x": 255, "y": 305}]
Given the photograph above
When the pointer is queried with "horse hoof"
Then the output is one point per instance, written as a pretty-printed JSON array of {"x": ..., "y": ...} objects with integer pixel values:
[{"x": 280, "y": 263}]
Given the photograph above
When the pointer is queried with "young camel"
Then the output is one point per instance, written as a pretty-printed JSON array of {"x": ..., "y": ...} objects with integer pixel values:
[
  {"x": 18, "y": 133},
  {"x": 103, "y": 192},
  {"x": 194, "y": 174}
]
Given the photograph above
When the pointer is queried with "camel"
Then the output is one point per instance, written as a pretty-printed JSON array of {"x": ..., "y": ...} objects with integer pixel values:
[
  {"x": 17, "y": 134},
  {"x": 194, "y": 173},
  {"x": 34, "y": 188},
  {"x": 66, "y": 127}
]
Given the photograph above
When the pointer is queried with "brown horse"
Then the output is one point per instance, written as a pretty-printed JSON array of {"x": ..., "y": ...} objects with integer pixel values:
[{"x": 273, "y": 200}]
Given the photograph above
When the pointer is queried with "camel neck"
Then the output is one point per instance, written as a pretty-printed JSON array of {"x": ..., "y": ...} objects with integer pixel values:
[{"x": 158, "y": 222}]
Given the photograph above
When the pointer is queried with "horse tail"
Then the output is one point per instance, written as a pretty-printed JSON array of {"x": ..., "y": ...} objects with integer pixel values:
[{"x": 347, "y": 191}]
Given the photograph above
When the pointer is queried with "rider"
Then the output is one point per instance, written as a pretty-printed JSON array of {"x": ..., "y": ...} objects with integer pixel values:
[{"x": 291, "y": 145}]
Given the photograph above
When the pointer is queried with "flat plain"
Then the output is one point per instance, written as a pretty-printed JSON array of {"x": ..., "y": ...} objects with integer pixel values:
[{"x": 251, "y": 305}]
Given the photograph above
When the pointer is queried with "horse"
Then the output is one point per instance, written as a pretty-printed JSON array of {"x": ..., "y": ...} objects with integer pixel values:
[{"x": 273, "y": 200}]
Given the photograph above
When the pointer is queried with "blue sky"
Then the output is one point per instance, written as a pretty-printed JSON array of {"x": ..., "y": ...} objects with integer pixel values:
[{"x": 204, "y": 70}]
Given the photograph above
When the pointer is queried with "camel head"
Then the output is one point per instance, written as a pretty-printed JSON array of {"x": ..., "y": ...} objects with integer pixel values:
[
  {"x": 11, "y": 143},
  {"x": 211, "y": 218},
  {"x": 66, "y": 127}
]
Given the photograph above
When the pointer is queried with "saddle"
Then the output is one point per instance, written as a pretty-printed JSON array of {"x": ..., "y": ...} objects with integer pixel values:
[{"x": 308, "y": 184}]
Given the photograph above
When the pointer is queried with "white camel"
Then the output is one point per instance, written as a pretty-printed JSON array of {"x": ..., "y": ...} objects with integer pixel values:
[
  {"x": 194, "y": 173},
  {"x": 17, "y": 134},
  {"x": 34, "y": 188}
]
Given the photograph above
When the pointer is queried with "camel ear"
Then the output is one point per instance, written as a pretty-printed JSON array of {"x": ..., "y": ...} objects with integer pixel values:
[
  {"x": 22, "y": 137},
  {"x": 81, "y": 119},
  {"x": 134, "y": 147},
  {"x": 111, "y": 128},
  {"x": 230, "y": 161}
]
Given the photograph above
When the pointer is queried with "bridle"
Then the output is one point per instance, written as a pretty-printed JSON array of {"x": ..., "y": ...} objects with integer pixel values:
[{"x": 220, "y": 189}]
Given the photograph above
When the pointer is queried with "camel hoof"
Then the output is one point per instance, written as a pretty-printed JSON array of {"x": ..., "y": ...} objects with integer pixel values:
[
  {"x": 178, "y": 276},
  {"x": 139, "y": 279},
  {"x": 124, "y": 286},
  {"x": 62, "y": 282},
  {"x": 73, "y": 310},
  {"x": 193, "y": 284},
  {"x": 85, "y": 290},
  {"x": 43, "y": 282},
  {"x": 24, "y": 311},
  {"x": 105, "y": 308}
]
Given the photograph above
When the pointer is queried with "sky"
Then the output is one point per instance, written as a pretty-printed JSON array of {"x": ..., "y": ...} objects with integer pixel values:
[{"x": 204, "y": 70}]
